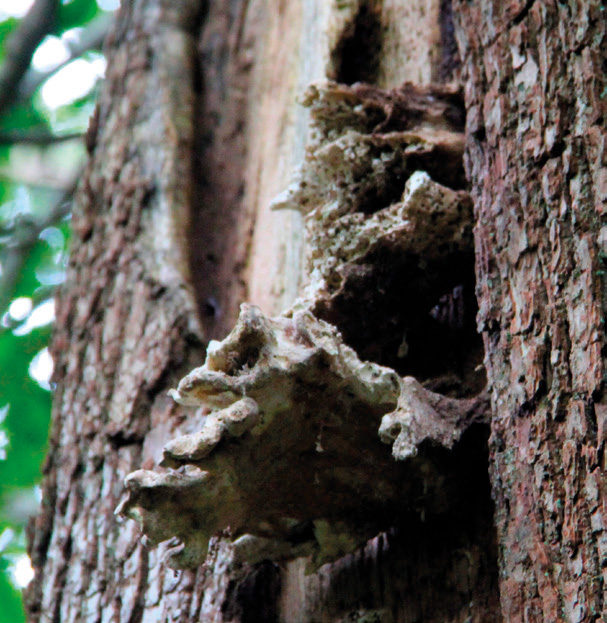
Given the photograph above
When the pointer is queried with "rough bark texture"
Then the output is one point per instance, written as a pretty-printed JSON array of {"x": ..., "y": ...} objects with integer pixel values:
[
  {"x": 196, "y": 131},
  {"x": 126, "y": 323},
  {"x": 535, "y": 75}
]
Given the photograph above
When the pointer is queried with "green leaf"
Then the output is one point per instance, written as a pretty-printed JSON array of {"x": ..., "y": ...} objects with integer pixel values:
[
  {"x": 23, "y": 117},
  {"x": 29, "y": 409},
  {"x": 76, "y": 13},
  {"x": 10, "y": 597},
  {"x": 6, "y": 29}
]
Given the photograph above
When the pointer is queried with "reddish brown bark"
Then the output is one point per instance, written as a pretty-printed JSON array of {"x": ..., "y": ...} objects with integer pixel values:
[
  {"x": 535, "y": 76},
  {"x": 172, "y": 160},
  {"x": 176, "y": 184}
]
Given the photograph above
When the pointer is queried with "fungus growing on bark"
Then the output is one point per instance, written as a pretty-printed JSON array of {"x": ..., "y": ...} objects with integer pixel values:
[
  {"x": 310, "y": 446},
  {"x": 293, "y": 441}
]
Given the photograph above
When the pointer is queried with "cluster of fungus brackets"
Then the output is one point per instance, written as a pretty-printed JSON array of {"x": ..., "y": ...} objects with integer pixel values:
[{"x": 307, "y": 450}]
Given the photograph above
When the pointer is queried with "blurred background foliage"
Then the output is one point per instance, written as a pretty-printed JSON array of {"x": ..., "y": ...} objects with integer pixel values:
[{"x": 50, "y": 65}]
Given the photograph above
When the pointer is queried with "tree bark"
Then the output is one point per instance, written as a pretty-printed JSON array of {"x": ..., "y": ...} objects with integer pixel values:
[
  {"x": 196, "y": 130},
  {"x": 126, "y": 324},
  {"x": 536, "y": 157}
]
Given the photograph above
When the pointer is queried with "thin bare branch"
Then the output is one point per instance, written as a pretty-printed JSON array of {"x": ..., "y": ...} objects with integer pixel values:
[
  {"x": 22, "y": 238},
  {"x": 91, "y": 38},
  {"x": 21, "y": 46},
  {"x": 42, "y": 138}
]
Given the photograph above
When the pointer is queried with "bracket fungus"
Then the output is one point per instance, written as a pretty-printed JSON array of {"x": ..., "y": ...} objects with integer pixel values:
[
  {"x": 292, "y": 450},
  {"x": 308, "y": 447}
]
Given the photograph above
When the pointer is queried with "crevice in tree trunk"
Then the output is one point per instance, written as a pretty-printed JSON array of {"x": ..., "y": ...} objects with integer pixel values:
[
  {"x": 356, "y": 56},
  {"x": 255, "y": 597},
  {"x": 450, "y": 62},
  {"x": 427, "y": 567},
  {"x": 221, "y": 223},
  {"x": 418, "y": 320}
]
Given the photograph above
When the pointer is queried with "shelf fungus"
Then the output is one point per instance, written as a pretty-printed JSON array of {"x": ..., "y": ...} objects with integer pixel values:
[
  {"x": 293, "y": 452},
  {"x": 311, "y": 444},
  {"x": 389, "y": 227}
]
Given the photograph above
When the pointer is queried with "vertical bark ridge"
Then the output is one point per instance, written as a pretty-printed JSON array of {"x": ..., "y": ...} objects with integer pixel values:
[
  {"x": 537, "y": 159},
  {"x": 126, "y": 327}
]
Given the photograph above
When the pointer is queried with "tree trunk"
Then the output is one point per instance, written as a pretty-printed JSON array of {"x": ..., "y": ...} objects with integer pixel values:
[
  {"x": 536, "y": 157},
  {"x": 126, "y": 326},
  {"x": 196, "y": 131}
]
